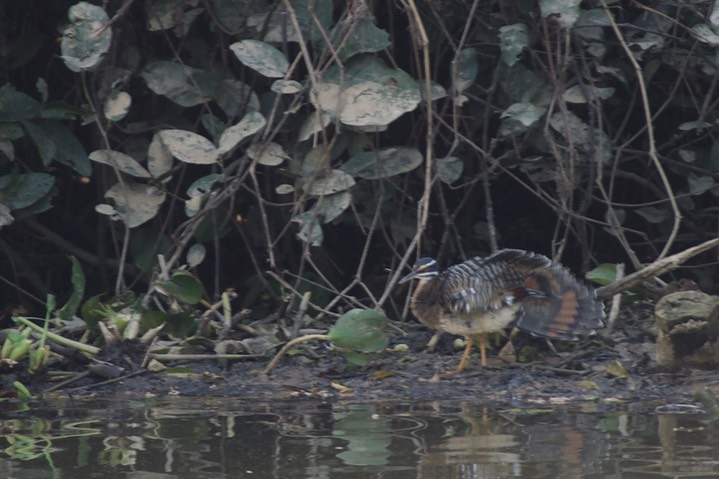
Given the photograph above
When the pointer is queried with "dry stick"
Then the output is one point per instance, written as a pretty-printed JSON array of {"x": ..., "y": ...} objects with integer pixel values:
[
  {"x": 650, "y": 131},
  {"x": 657, "y": 268},
  {"x": 289, "y": 345}
]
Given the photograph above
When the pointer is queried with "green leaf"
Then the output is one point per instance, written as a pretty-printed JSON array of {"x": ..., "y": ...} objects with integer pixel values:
[
  {"x": 383, "y": 163},
  {"x": 363, "y": 37},
  {"x": 121, "y": 161},
  {"x": 87, "y": 38},
  {"x": 93, "y": 311},
  {"x": 77, "y": 279},
  {"x": 176, "y": 82},
  {"x": 145, "y": 244},
  {"x": 55, "y": 142},
  {"x": 181, "y": 324},
  {"x": 369, "y": 94},
  {"x": 360, "y": 330},
  {"x": 184, "y": 286},
  {"x": 653, "y": 214},
  {"x": 19, "y": 191},
  {"x": 565, "y": 11},
  {"x": 135, "y": 203},
  {"x": 513, "y": 39},
  {"x": 16, "y": 106},
  {"x": 246, "y": 127},
  {"x": 603, "y": 274},
  {"x": 333, "y": 182},
  {"x": 449, "y": 169},
  {"x": 189, "y": 147},
  {"x": 467, "y": 70},
  {"x": 261, "y": 57}
]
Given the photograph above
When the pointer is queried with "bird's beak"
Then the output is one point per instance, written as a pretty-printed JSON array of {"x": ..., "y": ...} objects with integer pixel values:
[{"x": 410, "y": 276}]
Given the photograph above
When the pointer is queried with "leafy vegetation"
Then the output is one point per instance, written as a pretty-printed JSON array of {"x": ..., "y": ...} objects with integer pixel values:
[{"x": 181, "y": 149}]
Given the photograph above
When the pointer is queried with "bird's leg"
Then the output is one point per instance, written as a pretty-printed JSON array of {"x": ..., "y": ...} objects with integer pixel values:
[
  {"x": 482, "y": 350},
  {"x": 465, "y": 355}
]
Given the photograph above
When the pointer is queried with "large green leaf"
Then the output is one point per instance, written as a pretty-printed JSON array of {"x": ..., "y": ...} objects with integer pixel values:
[
  {"x": 16, "y": 106},
  {"x": 513, "y": 39},
  {"x": 177, "y": 82},
  {"x": 55, "y": 142},
  {"x": 360, "y": 330},
  {"x": 184, "y": 286}
]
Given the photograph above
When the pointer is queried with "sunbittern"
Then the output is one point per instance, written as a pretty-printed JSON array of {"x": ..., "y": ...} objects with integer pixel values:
[{"x": 511, "y": 288}]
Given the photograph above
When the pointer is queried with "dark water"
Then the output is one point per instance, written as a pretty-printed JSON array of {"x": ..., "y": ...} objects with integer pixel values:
[{"x": 234, "y": 439}]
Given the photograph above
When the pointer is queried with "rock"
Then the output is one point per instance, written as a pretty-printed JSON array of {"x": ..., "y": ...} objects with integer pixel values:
[{"x": 687, "y": 329}]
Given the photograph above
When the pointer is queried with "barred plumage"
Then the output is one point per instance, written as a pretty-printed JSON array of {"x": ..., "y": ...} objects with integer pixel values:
[{"x": 509, "y": 288}]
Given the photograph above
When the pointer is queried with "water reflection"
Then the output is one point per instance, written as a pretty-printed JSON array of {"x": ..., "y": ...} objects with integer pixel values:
[{"x": 237, "y": 439}]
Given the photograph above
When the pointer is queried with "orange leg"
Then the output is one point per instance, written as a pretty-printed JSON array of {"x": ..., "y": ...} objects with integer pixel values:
[
  {"x": 465, "y": 356},
  {"x": 482, "y": 350}
]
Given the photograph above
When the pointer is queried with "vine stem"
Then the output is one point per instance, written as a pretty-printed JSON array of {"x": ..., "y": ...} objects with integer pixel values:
[{"x": 650, "y": 132}]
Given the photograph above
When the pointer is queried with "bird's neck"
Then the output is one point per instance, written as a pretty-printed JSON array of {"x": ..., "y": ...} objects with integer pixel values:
[{"x": 425, "y": 304}]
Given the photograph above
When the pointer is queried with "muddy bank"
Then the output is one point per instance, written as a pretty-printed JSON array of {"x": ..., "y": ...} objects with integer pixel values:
[{"x": 613, "y": 367}]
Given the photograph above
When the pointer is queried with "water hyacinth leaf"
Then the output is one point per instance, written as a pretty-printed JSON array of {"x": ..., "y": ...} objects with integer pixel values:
[
  {"x": 286, "y": 87},
  {"x": 383, "y": 163},
  {"x": 513, "y": 39},
  {"x": 121, "y": 161},
  {"x": 360, "y": 330},
  {"x": 271, "y": 154},
  {"x": 189, "y": 147},
  {"x": 19, "y": 191},
  {"x": 310, "y": 229},
  {"x": 77, "y": 278},
  {"x": 261, "y": 57},
  {"x": 565, "y": 11},
  {"x": 329, "y": 207},
  {"x": 247, "y": 126},
  {"x": 117, "y": 105},
  {"x": 363, "y": 37},
  {"x": 699, "y": 184},
  {"x": 184, "y": 286},
  {"x": 86, "y": 38},
  {"x": 467, "y": 70},
  {"x": 135, "y": 203},
  {"x": 653, "y": 214},
  {"x": 371, "y": 93},
  {"x": 603, "y": 274},
  {"x": 449, "y": 169},
  {"x": 196, "y": 254},
  {"x": 332, "y": 182},
  {"x": 176, "y": 82},
  {"x": 159, "y": 157}
]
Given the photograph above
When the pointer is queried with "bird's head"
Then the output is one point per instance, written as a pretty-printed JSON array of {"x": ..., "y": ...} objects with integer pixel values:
[{"x": 423, "y": 269}]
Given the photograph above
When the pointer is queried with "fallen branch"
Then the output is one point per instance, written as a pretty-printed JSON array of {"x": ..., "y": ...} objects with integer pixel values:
[{"x": 655, "y": 269}]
